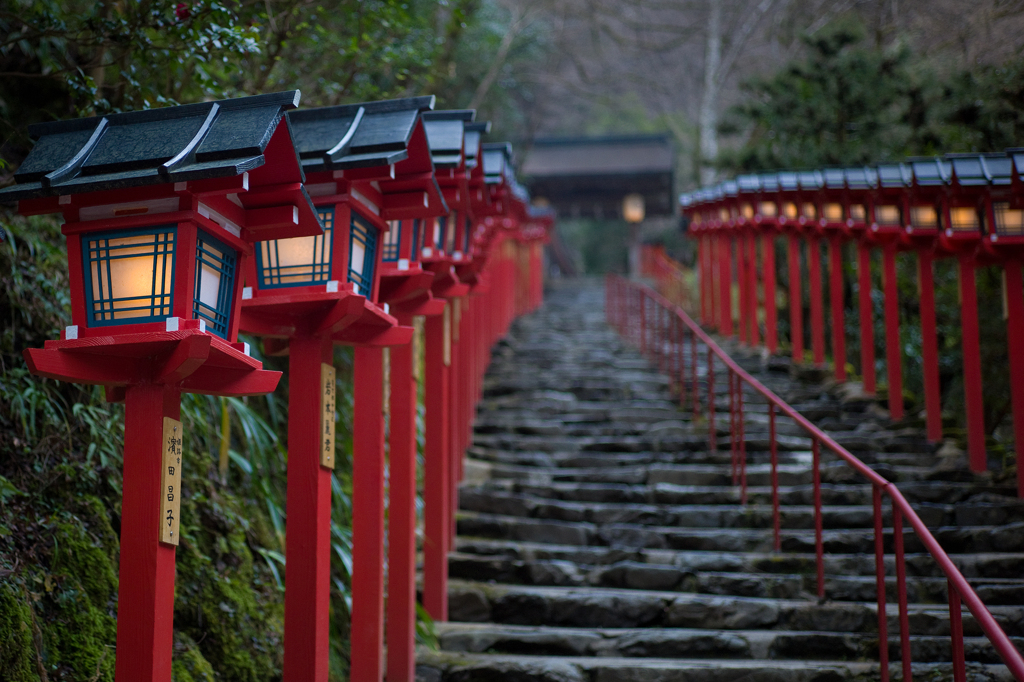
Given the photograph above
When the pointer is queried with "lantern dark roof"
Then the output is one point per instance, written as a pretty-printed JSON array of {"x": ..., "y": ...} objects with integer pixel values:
[
  {"x": 811, "y": 180},
  {"x": 788, "y": 181},
  {"x": 474, "y": 133},
  {"x": 931, "y": 171},
  {"x": 861, "y": 178},
  {"x": 590, "y": 176},
  {"x": 981, "y": 169},
  {"x": 357, "y": 135},
  {"x": 497, "y": 161},
  {"x": 156, "y": 146},
  {"x": 748, "y": 183},
  {"x": 446, "y": 135},
  {"x": 769, "y": 182},
  {"x": 894, "y": 175},
  {"x": 834, "y": 178}
]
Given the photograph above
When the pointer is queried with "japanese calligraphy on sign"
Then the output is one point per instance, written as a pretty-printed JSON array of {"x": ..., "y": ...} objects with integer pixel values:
[
  {"x": 170, "y": 482},
  {"x": 327, "y": 395}
]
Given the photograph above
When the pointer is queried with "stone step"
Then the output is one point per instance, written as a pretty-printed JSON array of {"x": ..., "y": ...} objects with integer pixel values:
[
  {"x": 958, "y": 539},
  {"x": 464, "y": 667},
  {"x": 642, "y": 575},
  {"x": 491, "y": 501},
  {"x": 698, "y": 643},
  {"x": 601, "y": 607},
  {"x": 983, "y": 566}
]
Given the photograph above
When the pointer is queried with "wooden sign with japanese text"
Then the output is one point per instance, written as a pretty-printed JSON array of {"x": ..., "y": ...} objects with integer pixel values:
[
  {"x": 327, "y": 395},
  {"x": 170, "y": 482}
]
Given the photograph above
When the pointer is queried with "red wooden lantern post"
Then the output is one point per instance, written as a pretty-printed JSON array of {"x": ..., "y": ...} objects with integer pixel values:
[
  {"x": 967, "y": 216},
  {"x": 308, "y": 295},
  {"x": 859, "y": 183},
  {"x": 921, "y": 232},
  {"x": 161, "y": 208},
  {"x": 759, "y": 217},
  {"x": 889, "y": 205},
  {"x": 784, "y": 189},
  {"x": 831, "y": 222},
  {"x": 1008, "y": 220}
]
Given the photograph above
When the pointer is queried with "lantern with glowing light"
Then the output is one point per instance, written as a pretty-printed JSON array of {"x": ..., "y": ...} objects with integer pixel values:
[{"x": 161, "y": 208}]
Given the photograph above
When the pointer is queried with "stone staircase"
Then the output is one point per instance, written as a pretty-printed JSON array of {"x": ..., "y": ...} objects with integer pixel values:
[{"x": 600, "y": 541}]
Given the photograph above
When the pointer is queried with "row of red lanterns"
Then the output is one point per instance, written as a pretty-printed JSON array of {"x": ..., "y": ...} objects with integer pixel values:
[
  {"x": 964, "y": 206},
  {"x": 307, "y": 228}
]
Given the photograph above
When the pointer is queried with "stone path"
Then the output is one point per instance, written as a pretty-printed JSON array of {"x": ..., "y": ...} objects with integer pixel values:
[{"x": 599, "y": 540}]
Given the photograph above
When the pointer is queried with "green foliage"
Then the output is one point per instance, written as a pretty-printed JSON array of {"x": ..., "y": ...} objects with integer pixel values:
[
  {"x": 845, "y": 103},
  {"x": 17, "y": 653},
  {"x": 600, "y": 243}
]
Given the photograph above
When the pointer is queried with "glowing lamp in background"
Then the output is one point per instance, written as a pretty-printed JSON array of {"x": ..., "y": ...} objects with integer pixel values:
[{"x": 633, "y": 209}]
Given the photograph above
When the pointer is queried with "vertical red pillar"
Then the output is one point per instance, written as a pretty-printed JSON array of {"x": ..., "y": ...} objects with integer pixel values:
[
  {"x": 145, "y": 593},
  {"x": 817, "y": 300},
  {"x": 929, "y": 348},
  {"x": 307, "y": 552},
  {"x": 743, "y": 281},
  {"x": 836, "y": 303},
  {"x": 771, "y": 331},
  {"x": 1014, "y": 284},
  {"x": 401, "y": 606},
  {"x": 867, "y": 317},
  {"x": 971, "y": 347},
  {"x": 796, "y": 306},
  {"x": 455, "y": 406},
  {"x": 725, "y": 283},
  {"x": 755, "y": 332},
  {"x": 436, "y": 493},
  {"x": 893, "y": 356},
  {"x": 702, "y": 272},
  {"x": 368, "y": 515}
]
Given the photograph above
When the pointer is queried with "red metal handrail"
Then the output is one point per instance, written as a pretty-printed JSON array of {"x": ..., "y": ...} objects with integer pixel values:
[{"x": 642, "y": 315}]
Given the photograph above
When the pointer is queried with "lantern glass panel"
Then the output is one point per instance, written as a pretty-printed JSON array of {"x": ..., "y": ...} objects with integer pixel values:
[
  {"x": 449, "y": 235},
  {"x": 392, "y": 238},
  {"x": 215, "y": 283},
  {"x": 766, "y": 208},
  {"x": 964, "y": 218},
  {"x": 887, "y": 214},
  {"x": 789, "y": 209},
  {"x": 362, "y": 255},
  {"x": 833, "y": 212},
  {"x": 437, "y": 236},
  {"x": 809, "y": 210},
  {"x": 723, "y": 214},
  {"x": 924, "y": 216},
  {"x": 857, "y": 213},
  {"x": 299, "y": 261},
  {"x": 1008, "y": 221},
  {"x": 747, "y": 210},
  {"x": 129, "y": 275},
  {"x": 416, "y": 229}
]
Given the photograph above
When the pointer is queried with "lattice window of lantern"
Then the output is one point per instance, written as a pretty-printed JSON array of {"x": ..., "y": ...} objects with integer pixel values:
[
  {"x": 392, "y": 238},
  {"x": 129, "y": 275},
  {"x": 216, "y": 264},
  {"x": 362, "y": 254},
  {"x": 300, "y": 261}
]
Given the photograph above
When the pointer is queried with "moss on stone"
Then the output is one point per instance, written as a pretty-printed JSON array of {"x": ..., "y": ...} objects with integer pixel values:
[
  {"x": 79, "y": 606},
  {"x": 221, "y": 602},
  {"x": 17, "y": 653},
  {"x": 189, "y": 664}
]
